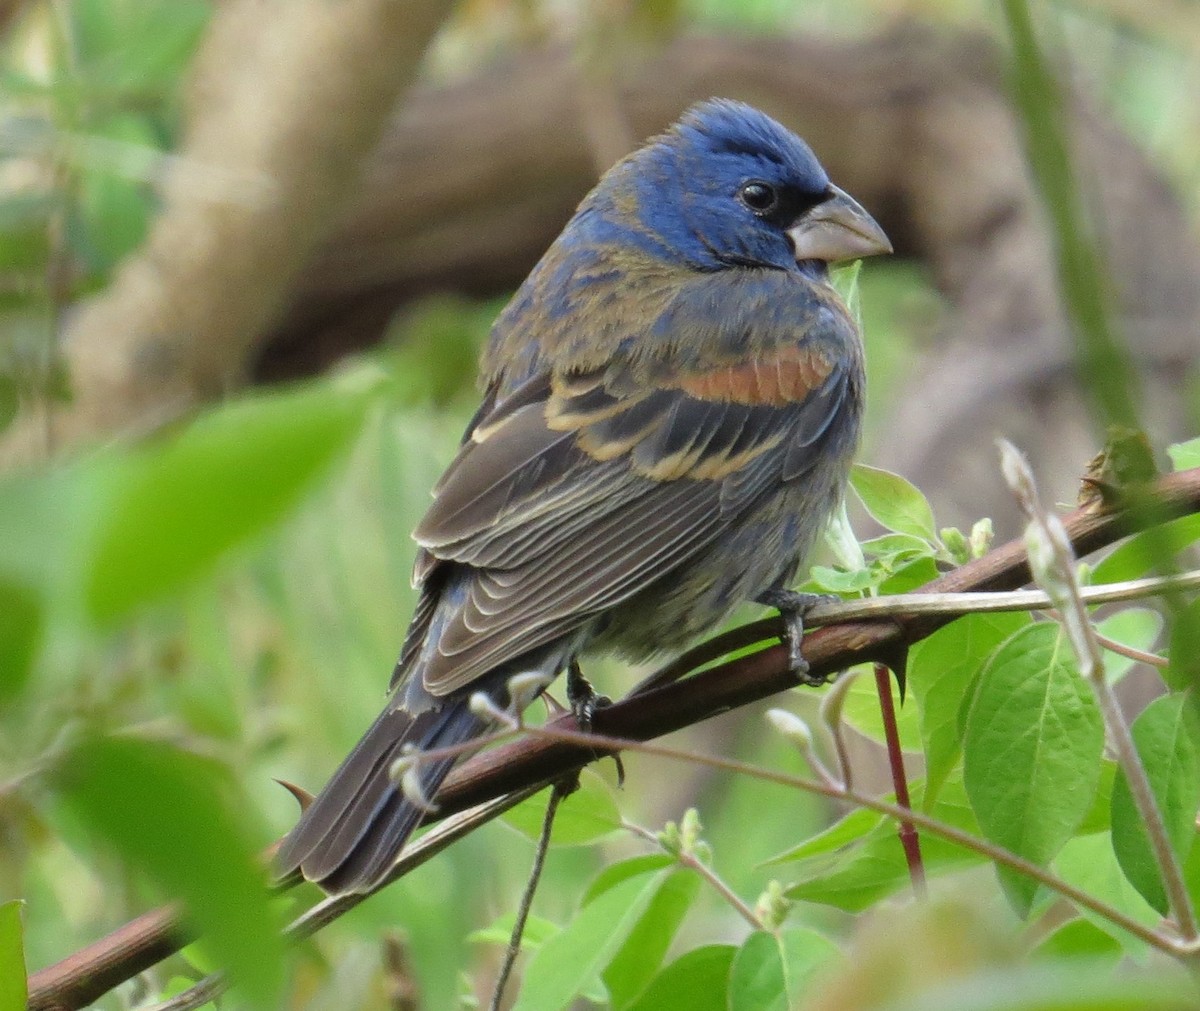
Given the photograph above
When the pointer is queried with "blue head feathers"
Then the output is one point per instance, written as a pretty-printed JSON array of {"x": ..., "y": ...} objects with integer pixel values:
[
  {"x": 724, "y": 189},
  {"x": 719, "y": 188}
]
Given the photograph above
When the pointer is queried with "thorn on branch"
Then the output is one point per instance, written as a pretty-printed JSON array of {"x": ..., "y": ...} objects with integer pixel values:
[{"x": 302, "y": 796}]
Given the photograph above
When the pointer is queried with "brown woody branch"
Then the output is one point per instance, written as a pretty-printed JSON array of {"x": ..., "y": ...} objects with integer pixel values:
[{"x": 663, "y": 708}]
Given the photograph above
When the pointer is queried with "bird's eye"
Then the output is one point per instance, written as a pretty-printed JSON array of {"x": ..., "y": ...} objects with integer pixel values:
[{"x": 760, "y": 197}]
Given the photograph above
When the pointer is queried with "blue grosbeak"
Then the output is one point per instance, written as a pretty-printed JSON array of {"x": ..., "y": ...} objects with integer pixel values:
[{"x": 672, "y": 400}]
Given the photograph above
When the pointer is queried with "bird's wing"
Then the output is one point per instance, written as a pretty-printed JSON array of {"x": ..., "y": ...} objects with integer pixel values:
[{"x": 574, "y": 491}]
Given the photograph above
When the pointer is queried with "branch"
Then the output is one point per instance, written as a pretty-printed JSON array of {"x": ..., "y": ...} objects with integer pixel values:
[
  {"x": 662, "y": 710},
  {"x": 664, "y": 707}
]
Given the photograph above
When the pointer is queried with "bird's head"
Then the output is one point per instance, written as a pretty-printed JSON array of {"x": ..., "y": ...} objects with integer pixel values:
[{"x": 729, "y": 186}]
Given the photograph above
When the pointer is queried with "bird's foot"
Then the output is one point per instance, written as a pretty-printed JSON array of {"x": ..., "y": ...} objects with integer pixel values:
[
  {"x": 793, "y": 606},
  {"x": 585, "y": 701},
  {"x": 583, "y": 698}
]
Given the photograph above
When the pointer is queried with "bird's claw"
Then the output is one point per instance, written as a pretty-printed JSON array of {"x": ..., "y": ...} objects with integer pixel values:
[
  {"x": 792, "y": 606},
  {"x": 583, "y": 698},
  {"x": 585, "y": 701}
]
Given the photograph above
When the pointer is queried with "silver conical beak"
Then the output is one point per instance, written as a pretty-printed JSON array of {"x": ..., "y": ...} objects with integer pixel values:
[{"x": 838, "y": 229}]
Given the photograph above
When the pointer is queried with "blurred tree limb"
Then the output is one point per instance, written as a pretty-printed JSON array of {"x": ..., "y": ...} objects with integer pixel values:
[
  {"x": 529, "y": 762},
  {"x": 471, "y": 181},
  {"x": 287, "y": 97},
  {"x": 474, "y": 180}
]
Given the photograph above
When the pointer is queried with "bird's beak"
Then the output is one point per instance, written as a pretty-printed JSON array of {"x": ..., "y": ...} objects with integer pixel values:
[{"x": 838, "y": 229}]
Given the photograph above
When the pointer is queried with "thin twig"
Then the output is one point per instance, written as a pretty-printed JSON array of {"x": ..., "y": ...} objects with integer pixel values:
[
  {"x": 561, "y": 790},
  {"x": 414, "y": 854},
  {"x": 208, "y": 989},
  {"x": 924, "y": 821},
  {"x": 529, "y": 764},
  {"x": 909, "y": 839},
  {"x": 831, "y": 713},
  {"x": 332, "y": 907},
  {"x": 910, "y": 605},
  {"x": 690, "y": 860},
  {"x": 1132, "y": 652},
  {"x": 796, "y": 730},
  {"x": 1143, "y": 797},
  {"x": 981, "y": 603},
  {"x": 1052, "y": 562}
]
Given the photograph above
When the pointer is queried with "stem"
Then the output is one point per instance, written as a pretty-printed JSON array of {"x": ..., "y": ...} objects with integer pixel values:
[
  {"x": 1052, "y": 563},
  {"x": 1132, "y": 652},
  {"x": 561, "y": 789},
  {"x": 831, "y": 713},
  {"x": 690, "y": 860},
  {"x": 911, "y": 605},
  {"x": 906, "y": 829},
  {"x": 1183, "y": 951},
  {"x": 982, "y": 603},
  {"x": 489, "y": 783},
  {"x": 1143, "y": 796},
  {"x": 204, "y": 992}
]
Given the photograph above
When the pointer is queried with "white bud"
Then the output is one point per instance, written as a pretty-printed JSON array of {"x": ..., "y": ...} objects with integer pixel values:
[{"x": 792, "y": 727}]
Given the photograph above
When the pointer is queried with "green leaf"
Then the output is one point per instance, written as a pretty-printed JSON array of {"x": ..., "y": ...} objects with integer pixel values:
[
  {"x": 1088, "y": 863},
  {"x": 696, "y": 981},
  {"x": 844, "y": 279},
  {"x": 1079, "y": 939},
  {"x": 829, "y": 580},
  {"x": 24, "y": 228},
  {"x": 1099, "y": 817},
  {"x": 174, "y": 509},
  {"x": 165, "y": 813},
  {"x": 1137, "y": 627},
  {"x": 1183, "y": 669},
  {"x": 588, "y": 814},
  {"x": 861, "y": 875},
  {"x": 136, "y": 48},
  {"x": 843, "y": 545},
  {"x": 13, "y": 987},
  {"x": 770, "y": 972},
  {"x": 178, "y": 985},
  {"x": 537, "y": 932},
  {"x": 894, "y": 502},
  {"x": 1032, "y": 748},
  {"x": 10, "y": 400},
  {"x": 849, "y": 829},
  {"x": 1058, "y": 986},
  {"x": 1185, "y": 455},
  {"x": 861, "y": 711},
  {"x": 21, "y": 627},
  {"x": 1143, "y": 552},
  {"x": 38, "y": 521},
  {"x": 571, "y": 961},
  {"x": 941, "y": 672},
  {"x": 622, "y": 870},
  {"x": 645, "y": 948},
  {"x": 113, "y": 208},
  {"x": 1167, "y": 737},
  {"x": 909, "y": 576},
  {"x": 895, "y": 546}
]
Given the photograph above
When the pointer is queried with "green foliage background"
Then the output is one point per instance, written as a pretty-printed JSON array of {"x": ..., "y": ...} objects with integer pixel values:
[{"x": 184, "y": 621}]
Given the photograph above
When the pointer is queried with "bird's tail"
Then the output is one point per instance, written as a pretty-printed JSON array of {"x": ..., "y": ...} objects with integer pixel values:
[{"x": 349, "y": 836}]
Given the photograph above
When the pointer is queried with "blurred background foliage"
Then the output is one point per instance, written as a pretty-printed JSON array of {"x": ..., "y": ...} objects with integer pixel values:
[{"x": 238, "y": 593}]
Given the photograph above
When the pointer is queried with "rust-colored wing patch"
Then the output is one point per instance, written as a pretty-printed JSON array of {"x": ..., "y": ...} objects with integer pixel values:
[{"x": 785, "y": 377}]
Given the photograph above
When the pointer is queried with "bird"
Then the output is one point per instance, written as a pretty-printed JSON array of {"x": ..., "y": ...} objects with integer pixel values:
[{"x": 671, "y": 402}]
